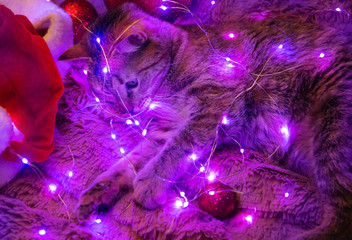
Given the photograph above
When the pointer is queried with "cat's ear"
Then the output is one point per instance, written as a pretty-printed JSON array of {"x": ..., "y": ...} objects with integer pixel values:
[
  {"x": 78, "y": 51},
  {"x": 132, "y": 43}
]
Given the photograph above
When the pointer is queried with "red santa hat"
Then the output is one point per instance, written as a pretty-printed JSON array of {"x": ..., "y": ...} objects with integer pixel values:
[{"x": 30, "y": 86}]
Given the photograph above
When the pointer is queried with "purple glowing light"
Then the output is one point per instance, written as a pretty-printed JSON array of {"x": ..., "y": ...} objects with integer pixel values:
[
  {"x": 105, "y": 70},
  {"x": 178, "y": 203},
  {"x": 136, "y": 122},
  {"x": 211, "y": 177},
  {"x": 242, "y": 150},
  {"x": 25, "y": 160},
  {"x": 185, "y": 204},
  {"x": 163, "y": 7},
  {"x": 231, "y": 35},
  {"x": 113, "y": 136},
  {"x": 280, "y": 46},
  {"x": 97, "y": 99},
  {"x": 42, "y": 232},
  {"x": 98, "y": 220},
  {"x": 211, "y": 193},
  {"x": 152, "y": 106},
  {"x": 201, "y": 169},
  {"x": 224, "y": 120},
  {"x": 285, "y": 132},
  {"x": 129, "y": 122},
  {"x": 338, "y": 9},
  {"x": 193, "y": 156},
  {"x": 70, "y": 173},
  {"x": 212, "y": 2},
  {"x": 144, "y": 132},
  {"x": 249, "y": 219},
  {"x": 322, "y": 55},
  {"x": 286, "y": 194},
  {"x": 122, "y": 150},
  {"x": 98, "y": 40},
  {"x": 230, "y": 65},
  {"x": 52, "y": 187},
  {"x": 85, "y": 72},
  {"x": 182, "y": 194}
]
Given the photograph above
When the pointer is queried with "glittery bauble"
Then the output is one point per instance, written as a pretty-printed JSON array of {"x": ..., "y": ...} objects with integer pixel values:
[
  {"x": 218, "y": 200},
  {"x": 84, "y": 11},
  {"x": 112, "y": 4}
]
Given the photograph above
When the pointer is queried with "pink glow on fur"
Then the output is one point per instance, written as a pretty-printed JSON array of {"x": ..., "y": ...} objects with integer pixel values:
[{"x": 249, "y": 219}]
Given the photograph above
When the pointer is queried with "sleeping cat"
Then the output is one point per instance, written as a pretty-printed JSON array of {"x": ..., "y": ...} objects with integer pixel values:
[{"x": 283, "y": 85}]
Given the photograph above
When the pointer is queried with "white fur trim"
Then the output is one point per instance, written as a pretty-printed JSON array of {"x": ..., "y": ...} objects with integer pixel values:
[
  {"x": 6, "y": 129},
  {"x": 43, "y": 14}
]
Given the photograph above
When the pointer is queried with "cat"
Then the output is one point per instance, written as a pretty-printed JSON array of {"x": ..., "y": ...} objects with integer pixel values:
[{"x": 283, "y": 84}]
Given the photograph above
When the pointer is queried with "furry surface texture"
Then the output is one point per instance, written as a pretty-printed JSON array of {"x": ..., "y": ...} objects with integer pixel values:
[
  {"x": 85, "y": 147},
  {"x": 27, "y": 206}
]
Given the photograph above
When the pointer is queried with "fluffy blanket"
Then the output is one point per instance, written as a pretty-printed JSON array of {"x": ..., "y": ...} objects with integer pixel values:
[{"x": 83, "y": 145}]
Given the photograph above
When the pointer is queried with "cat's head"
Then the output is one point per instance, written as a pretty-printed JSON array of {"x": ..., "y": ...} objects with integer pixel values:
[{"x": 136, "y": 58}]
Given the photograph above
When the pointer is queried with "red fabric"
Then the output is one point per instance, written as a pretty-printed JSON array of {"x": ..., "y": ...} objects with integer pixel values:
[{"x": 30, "y": 86}]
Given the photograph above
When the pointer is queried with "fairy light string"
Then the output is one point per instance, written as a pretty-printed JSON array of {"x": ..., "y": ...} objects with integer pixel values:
[{"x": 205, "y": 169}]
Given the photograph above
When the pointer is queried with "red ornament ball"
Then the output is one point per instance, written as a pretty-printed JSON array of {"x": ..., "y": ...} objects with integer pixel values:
[
  {"x": 84, "y": 11},
  {"x": 218, "y": 200}
]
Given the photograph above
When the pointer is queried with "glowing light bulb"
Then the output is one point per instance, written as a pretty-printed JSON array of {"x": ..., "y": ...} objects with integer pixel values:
[
  {"x": 287, "y": 194},
  {"x": 224, "y": 120},
  {"x": 178, "y": 203},
  {"x": 136, "y": 122},
  {"x": 249, "y": 219},
  {"x": 97, "y": 99},
  {"x": 242, "y": 150},
  {"x": 228, "y": 59},
  {"x": 230, "y": 65},
  {"x": 280, "y": 46},
  {"x": 185, "y": 204},
  {"x": 211, "y": 177},
  {"x": 163, "y": 7},
  {"x": 105, "y": 69},
  {"x": 122, "y": 150},
  {"x": 182, "y": 194},
  {"x": 85, "y": 72},
  {"x": 211, "y": 193},
  {"x": 322, "y": 55},
  {"x": 52, "y": 187},
  {"x": 98, "y": 40},
  {"x": 70, "y": 173},
  {"x": 153, "y": 106},
  {"x": 285, "y": 132},
  {"x": 113, "y": 136},
  {"x": 98, "y": 220},
  {"x": 25, "y": 160},
  {"x": 231, "y": 35},
  {"x": 212, "y": 2},
  {"x": 193, "y": 156},
  {"x": 144, "y": 132},
  {"x": 129, "y": 122},
  {"x": 338, "y": 9},
  {"x": 42, "y": 232},
  {"x": 201, "y": 169}
]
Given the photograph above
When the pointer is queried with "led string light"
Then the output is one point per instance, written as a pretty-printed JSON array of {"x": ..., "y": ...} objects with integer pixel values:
[{"x": 203, "y": 169}]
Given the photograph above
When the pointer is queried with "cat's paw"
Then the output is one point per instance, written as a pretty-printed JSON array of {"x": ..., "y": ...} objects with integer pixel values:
[
  {"x": 150, "y": 191},
  {"x": 104, "y": 192}
]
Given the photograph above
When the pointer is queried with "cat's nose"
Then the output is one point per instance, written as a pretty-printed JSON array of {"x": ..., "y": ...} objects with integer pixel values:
[{"x": 132, "y": 84}]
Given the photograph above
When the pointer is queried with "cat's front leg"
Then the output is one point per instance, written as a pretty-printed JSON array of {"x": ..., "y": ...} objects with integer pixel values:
[
  {"x": 106, "y": 189},
  {"x": 153, "y": 181},
  {"x": 112, "y": 184}
]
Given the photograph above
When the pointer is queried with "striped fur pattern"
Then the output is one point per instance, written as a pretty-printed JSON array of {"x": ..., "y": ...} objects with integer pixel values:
[{"x": 193, "y": 88}]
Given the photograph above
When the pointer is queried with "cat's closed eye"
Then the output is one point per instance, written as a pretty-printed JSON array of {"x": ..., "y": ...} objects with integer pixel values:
[{"x": 132, "y": 84}]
